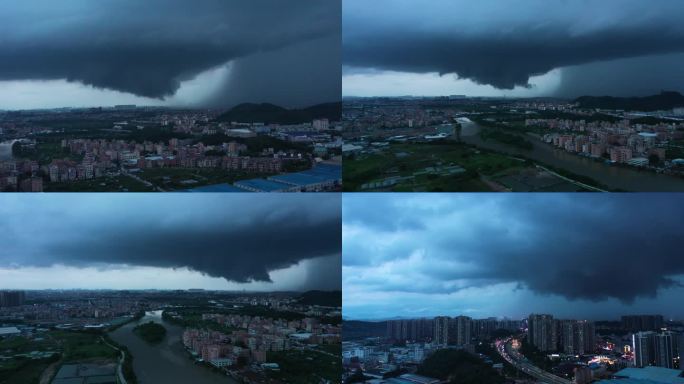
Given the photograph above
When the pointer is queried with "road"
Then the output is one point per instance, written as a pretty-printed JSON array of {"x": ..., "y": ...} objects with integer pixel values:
[
  {"x": 506, "y": 350},
  {"x": 119, "y": 368}
]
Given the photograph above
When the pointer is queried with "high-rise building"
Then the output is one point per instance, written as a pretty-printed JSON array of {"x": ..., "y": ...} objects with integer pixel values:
[
  {"x": 679, "y": 348},
  {"x": 441, "y": 329},
  {"x": 12, "y": 298},
  {"x": 664, "y": 350},
  {"x": 542, "y": 332},
  {"x": 639, "y": 323},
  {"x": 642, "y": 345},
  {"x": 577, "y": 337},
  {"x": 508, "y": 324},
  {"x": 409, "y": 329},
  {"x": 652, "y": 348},
  {"x": 463, "y": 330},
  {"x": 483, "y": 328}
]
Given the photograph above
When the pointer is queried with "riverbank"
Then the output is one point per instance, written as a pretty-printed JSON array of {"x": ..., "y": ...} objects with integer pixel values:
[
  {"x": 165, "y": 362},
  {"x": 607, "y": 177}
]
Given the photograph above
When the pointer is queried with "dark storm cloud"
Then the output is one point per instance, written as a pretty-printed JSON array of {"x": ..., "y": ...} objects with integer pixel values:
[
  {"x": 653, "y": 74},
  {"x": 147, "y": 48},
  {"x": 300, "y": 75},
  {"x": 238, "y": 238},
  {"x": 505, "y": 43},
  {"x": 593, "y": 247}
]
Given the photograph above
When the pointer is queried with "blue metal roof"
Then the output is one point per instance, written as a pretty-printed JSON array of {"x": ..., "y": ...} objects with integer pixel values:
[
  {"x": 300, "y": 178},
  {"x": 648, "y": 375},
  {"x": 263, "y": 185},
  {"x": 217, "y": 188}
]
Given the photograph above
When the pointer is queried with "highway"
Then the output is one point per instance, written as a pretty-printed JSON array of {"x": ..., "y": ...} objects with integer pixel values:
[{"x": 506, "y": 350}]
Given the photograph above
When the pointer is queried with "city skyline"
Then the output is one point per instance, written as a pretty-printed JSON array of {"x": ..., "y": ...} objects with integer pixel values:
[
  {"x": 525, "y": 48},
  {"x": 169, "y": 53},
  {"x": 479, "y": 255},
  {"x": 218, "y": 242}
]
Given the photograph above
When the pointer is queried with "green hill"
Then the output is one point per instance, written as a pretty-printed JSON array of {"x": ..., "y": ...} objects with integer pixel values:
[
  {"x": 273, "y": 114},
  {"x": 322, "y": 298},
  {"x": 357, "y": 330},
  {"x": 663, "y": 101},
  {"x": 459, "y": 367}
]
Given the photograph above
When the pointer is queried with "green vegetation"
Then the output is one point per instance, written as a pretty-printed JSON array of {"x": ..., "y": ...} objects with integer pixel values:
[
  {"x": 459, "y": 367},
  {"x": 193, "y": 319},
  {"x": 89, "y": 128},
  {"x": 44, "y": 151},
  {"x": 305, "y": 367},
  {"x": 80, "y": 346},
  {"x": 172, "y": 178},
  {"x": 322, "y": 298},
  {"x": 104, "y": 184},
  {"x": 507, "y": 138},
  {"x": 269, "y": 113},
  {"x": 359, "y": 330},
  {"x": 664, "y": 100},
  {"x": 411, "y": 159},
  {"x": 535, "y": 356},
  {"x": 24, "y": 371},
  {"x": 577, "y": 177},
  {"x": 151, "y": 332},
  {"x": 257, "y": 310},
  {"x": 335, "y": 349},
  {"x": 153, "y": 134},
  {"x": 69, "y": 346},
  {"x": 127, "y": 366},
  {"x": 357, "y": 377}
]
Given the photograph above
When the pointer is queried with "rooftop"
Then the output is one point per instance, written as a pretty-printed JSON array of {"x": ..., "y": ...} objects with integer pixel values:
[
  {"x": 262, "y": 185},
  {"x": 647, "y": 375},
  {"x": 217, "y": 188},
  {"x": 9, "y": 331}
]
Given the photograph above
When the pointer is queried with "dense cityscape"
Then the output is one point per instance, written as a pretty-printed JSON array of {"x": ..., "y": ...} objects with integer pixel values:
[
  {"x": 68, "y": 336},
  {"x": 129, "y": 148},
  {"x": 539, "y": 348}
]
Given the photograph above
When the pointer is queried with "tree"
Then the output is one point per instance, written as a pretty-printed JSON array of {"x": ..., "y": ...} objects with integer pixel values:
[
  {"x": 653, "y": 159},
  {"x": 357, "y": 377}
]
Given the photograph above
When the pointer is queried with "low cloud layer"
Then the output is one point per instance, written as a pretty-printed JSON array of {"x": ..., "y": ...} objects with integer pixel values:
[
  {"x": 593, "y": 248},
  {"x": 504, "y": 44},
  {"x": 148, "y": 48},
  {"x": 242, "y": 239}
]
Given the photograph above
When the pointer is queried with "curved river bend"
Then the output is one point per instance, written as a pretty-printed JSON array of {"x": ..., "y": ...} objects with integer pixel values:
[
  {"x": 614, "y": 177},
  {"x": 166, "y": 362}
]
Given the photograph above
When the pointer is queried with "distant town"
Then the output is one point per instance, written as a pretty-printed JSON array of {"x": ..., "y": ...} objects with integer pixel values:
[
  {"x": 129, "y": 148},
  {"x": 79, "y": 336},
  {"x": 458, "y": 143},
  {"x": 641, "y": 349}
]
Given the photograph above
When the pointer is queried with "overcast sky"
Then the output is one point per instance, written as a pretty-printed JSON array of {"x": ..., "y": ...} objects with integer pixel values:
[
  {"x": 172, "y": 241},
  {"x": 571, "y": 255},
  {"x": 169, "y": 52},
  {"x": 512, "y": 48}
]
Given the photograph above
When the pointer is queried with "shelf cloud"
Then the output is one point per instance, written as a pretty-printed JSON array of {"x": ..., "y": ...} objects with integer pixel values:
[
  {"x": 239, "y": 238},
  {"x": 148, "y": 48},
  {"x": 504, "y": 44},
  {"x": 588, "y": 248}
]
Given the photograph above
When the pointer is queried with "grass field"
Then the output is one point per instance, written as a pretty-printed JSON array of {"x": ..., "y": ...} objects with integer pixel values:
[
  {"x": 103, "y": 184},
  {"x": 404, "y": 160},
  {"x": 171, "y": 178},
  {"x": 71, "y": 346}
]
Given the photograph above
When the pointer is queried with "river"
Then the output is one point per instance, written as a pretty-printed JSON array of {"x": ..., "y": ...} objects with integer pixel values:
[
  {"x": 614, "y": 177},
  {"x": 6, "y": 150},
  {"x": 166, "y": 362}
]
